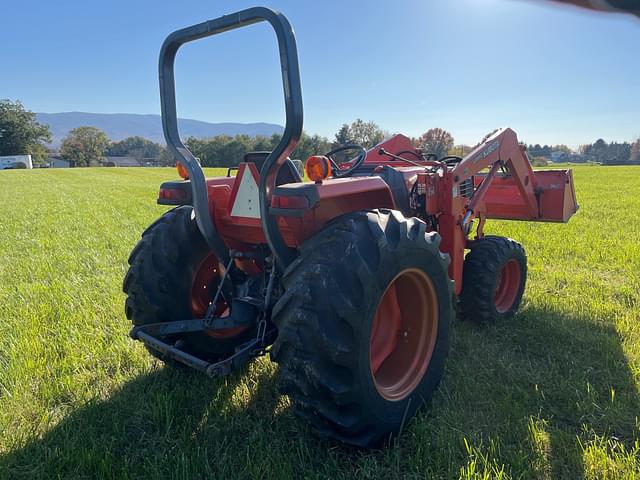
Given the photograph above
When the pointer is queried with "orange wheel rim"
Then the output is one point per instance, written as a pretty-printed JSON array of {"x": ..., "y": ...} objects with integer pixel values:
[
  {"x": 507, "y": 286},
  {"x": 203, "y": 288},
  {"x": 403, "y": 334}
]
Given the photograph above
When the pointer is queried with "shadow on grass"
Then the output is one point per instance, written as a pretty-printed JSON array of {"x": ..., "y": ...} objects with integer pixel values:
[
  {"x": 546, "y": 369},
  {"x": 543, "y": 386},
  {"x": 595, "y": 394},
  {"x": 164, "y": 424}
]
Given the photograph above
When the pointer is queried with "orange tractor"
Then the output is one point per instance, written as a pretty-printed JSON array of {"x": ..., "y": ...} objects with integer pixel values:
[{"x": 349, "y": 280}]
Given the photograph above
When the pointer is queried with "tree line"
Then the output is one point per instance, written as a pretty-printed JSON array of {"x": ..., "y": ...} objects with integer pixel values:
[
  {"x": 20, "y": 133},
  {"x": 86, "y": 146},
  {"x": 599, "y": 151},
  {"x": 613, "y": 152}
]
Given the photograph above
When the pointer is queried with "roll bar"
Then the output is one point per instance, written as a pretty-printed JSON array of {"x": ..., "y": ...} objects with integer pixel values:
[{"x": 291, "y": 136}]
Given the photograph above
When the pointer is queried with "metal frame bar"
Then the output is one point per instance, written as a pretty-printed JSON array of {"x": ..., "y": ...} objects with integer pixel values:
[
  {"x": 243, "y": 353},
  {"x": 173, "y": 352},
  {"x": 163, "y": 329},
  {"x": 291, "y": 136}
]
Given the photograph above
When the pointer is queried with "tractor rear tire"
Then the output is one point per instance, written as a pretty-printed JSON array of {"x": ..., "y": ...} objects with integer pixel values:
[
  {"x": 494, "y": 278},
  {"x": 357, "y": 355},
  {"x": 159, "y": 284}
]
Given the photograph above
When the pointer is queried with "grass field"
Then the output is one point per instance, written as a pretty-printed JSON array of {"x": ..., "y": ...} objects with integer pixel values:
[{"x": 554, "y": 393}]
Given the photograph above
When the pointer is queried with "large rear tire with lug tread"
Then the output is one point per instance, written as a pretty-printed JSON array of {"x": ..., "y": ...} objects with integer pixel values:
[
  {"x": 173, "y": 275},
  {"x": 494, "y": 278},
  {"x": 363, "y": 325}
]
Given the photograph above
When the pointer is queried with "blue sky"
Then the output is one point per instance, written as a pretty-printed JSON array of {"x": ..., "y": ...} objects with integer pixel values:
[{"x": 554, "y": 74}]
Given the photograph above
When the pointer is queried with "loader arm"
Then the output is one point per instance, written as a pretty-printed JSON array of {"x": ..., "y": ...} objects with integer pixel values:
[
  {"x": 500, "y": 149},
  {"x": 518, "y": 193}
]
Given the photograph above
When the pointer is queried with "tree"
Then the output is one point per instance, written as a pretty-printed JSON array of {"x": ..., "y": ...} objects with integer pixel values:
[
  {"x": 598, "y": 150},
  {"x": 618, "y": 153},
  {"x": 20, "y": 133},
  {"x": 635, "y": 151},
  {"x": 367, "y": 134},
  {"x": 226, "y": 151},
  {"x": 221, "y": 150},
  {"x": 166, "y": 158},
  {"x": 608, "y": 153},
  {"x": 233, "y": 151},
  {"x": 561, "y": 148},
  {"x": 344, "y": 135},
  {"x": 136, "y": 147},
  {"x": 436, "y": 141},
  {"x": 84, "y": 146},
  {"x": 208, "y": 151},
  {"x": 311, "y": 145},
  {"x": 460, "y": 150},
  {"x": 262, "y": 144}
]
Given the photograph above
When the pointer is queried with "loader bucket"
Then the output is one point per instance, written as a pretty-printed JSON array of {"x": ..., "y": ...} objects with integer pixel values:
[
  {"x": 555, "y": 191},
  {"x": 557, "y": 195}
]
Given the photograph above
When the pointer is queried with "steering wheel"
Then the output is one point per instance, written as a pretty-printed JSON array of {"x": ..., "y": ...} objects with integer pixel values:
[{"x": 338, "y": 172}]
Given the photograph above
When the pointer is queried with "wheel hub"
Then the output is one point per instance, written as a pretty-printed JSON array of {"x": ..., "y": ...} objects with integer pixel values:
[
  {"x": 203, "y": 288},
  {"x": 507, "y": 285},
  {"x": 207, "y": 276},
  {"x": 403, "y": 334}
]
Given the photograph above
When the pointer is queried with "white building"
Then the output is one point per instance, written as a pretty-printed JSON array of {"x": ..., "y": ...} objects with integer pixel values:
[
  {"x": 59, "y": 163},
  {"x": 15, "y": 161}
]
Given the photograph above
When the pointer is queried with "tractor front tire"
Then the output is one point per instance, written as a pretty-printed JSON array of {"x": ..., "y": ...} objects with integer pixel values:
[
  {"x": 494, "y": 278},
  {"x": 363, "y": 326},
  {"x": 172, "y": 276}
]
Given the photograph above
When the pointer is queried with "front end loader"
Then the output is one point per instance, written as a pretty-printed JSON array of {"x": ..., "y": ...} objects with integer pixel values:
[{"x": 348, "y": 281}]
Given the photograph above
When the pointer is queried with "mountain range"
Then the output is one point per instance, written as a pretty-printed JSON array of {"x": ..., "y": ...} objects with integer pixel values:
[{"x": 121, "y": 125}]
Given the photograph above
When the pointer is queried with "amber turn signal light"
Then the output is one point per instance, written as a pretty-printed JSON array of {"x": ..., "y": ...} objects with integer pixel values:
[
  {"x": 317, "y": 167},
  {"x": 182, "y": 171}
]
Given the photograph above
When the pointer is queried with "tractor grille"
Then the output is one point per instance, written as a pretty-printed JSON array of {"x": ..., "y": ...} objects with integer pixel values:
[{"x": 466, "y": 188}]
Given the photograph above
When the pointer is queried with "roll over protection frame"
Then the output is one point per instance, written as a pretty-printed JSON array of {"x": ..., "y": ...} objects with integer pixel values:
[{"x": 293, "y": 126}]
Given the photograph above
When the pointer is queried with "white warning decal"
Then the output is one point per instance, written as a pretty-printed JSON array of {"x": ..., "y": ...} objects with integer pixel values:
[{"x": 247, "y": 202}]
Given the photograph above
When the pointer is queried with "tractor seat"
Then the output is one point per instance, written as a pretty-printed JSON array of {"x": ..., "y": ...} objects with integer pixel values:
[{"x": 288, "y": 172}]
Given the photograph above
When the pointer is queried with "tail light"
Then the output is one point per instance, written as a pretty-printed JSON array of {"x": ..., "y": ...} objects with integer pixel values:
[
  {"x": 172, "y": 194},
  {"x": 292, "y": 202}
]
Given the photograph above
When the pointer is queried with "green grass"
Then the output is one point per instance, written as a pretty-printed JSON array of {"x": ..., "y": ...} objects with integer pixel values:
[{"x": 551, "y": 394}]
